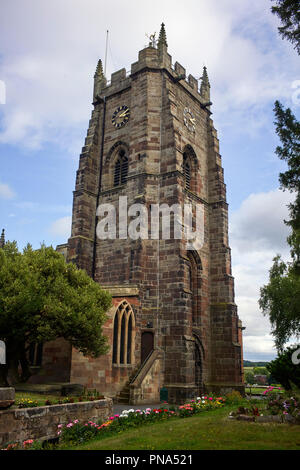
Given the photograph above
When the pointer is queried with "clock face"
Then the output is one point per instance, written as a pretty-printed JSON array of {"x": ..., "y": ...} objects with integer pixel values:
[
  {"x": 189, "y": 119},
  {"x": 121, "y": 116}
]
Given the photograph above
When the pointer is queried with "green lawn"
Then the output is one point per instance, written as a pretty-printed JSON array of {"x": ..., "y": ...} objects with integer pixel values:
[{"x": 207, "y": 431}]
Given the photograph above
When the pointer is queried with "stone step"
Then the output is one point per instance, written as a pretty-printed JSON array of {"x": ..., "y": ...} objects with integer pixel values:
[{"x": 123, "y": 401}]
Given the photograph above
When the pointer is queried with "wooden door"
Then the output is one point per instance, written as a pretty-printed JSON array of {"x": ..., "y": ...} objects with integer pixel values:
[{"x": 147, "y": 344}]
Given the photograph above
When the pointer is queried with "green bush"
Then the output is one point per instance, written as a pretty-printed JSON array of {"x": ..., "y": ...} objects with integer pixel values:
[
  {"x": 234, "y": 398},
  {"x": 284, "y": 371}
]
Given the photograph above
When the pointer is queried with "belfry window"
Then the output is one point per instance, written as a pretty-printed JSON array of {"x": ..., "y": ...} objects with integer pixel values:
[
  {"x": 121, "y": 168},
  {"x": 123, "y": 331},
  {"x": 187, "y": 171}
]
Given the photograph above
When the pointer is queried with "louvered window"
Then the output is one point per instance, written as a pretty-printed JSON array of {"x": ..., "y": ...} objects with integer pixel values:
[
  {"x": 121, "y": 169},
  {"x": 187, "y": 172}
]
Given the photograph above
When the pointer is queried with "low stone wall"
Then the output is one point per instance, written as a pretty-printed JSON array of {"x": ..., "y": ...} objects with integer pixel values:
[
  {"x": 18, "y": 425},
  {"x": 286, "y": 419}
]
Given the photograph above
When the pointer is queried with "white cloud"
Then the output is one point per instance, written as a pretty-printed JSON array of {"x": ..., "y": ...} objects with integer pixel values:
[
  {"x": 260, "y": 345},
  {"x": 49, "y": 70},
  {"x": 259, "y": 223},
  {"x": 6, "y": 192},
  {"x": 61, "y": 227},
  {"x": 257, "y": 234}
]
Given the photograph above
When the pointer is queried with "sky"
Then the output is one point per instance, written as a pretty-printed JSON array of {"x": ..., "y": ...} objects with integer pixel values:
[{"x": 48, "y": 55}]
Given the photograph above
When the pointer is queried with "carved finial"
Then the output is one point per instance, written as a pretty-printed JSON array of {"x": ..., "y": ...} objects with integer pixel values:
[
  {"x": 2, "y": 239},
  {"x": 99, "y": 69},
  {"x": 205, "y": 79},
  {"x": 99, "y": 80},
  {"x": 162, "y": 38},
  {"x": 205, "y": 85}
]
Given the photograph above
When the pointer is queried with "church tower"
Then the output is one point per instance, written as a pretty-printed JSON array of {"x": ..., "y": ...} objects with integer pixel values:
[{"x": 174, "y": 327}]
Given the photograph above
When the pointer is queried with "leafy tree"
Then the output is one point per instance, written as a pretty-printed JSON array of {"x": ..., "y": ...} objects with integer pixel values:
[
  {"x": 43, "y": 298},
  {"x": 289, "y": 13},
  {"x": 284, "y": 371},
  {"x": 260, "y": 371},
  {"x": 288, "y": 130},
  {"x": 280, "y": 300},
  {"x": 249, "y": 377}
]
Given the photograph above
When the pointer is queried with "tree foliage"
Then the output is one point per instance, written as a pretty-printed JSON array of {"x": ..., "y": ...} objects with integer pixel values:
[
  {"x": 280, "y": 300},
  {"x": 289, "y": 13},
  {"x": 284, "y": 371},
  {"x": 249, "y": 378},
  {"x": 288, "y": 130},
  {"x": 43, "y": 298},
  {"x": 260, "y": 371}
]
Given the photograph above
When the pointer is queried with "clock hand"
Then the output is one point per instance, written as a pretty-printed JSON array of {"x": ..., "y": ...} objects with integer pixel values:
[{"x": 124, "y": 113}]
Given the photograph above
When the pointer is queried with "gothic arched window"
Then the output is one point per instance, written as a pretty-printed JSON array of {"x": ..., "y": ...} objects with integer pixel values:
[
  {"x": 123, "y": 338},
  {"x": 121, "y": 168}
]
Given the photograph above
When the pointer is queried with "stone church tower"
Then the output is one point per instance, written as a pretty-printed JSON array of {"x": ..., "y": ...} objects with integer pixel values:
[{"x": 174, "y": 330}]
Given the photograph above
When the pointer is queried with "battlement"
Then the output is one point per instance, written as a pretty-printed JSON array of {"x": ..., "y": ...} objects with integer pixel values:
[{"x": 154, "y": 57}]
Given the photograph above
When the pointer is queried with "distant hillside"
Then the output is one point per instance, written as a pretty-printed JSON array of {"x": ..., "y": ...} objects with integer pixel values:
[{"x": 255, "y": 364}]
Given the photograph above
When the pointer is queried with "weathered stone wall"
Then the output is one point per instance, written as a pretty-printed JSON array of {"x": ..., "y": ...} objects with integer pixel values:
[
  {"x": 56, "y": 363},
  {"x": 18, "y": 425}
]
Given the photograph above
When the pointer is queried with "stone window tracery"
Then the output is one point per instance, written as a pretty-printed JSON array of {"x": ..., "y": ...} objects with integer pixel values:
[{"x": 123, "y": 335}]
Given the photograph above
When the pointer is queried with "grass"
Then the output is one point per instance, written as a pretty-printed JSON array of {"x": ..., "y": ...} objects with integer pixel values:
[
  {"x": 259, "y": 391},
  {"x": 211, "y": 430}
]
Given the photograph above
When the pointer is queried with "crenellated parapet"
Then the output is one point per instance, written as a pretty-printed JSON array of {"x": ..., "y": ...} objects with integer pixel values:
[{"x": 154, "y": 57}]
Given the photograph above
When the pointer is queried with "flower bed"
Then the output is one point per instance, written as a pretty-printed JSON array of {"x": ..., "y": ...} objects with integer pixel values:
[
  {"x": 31, "y": 403},
  {"x": 76, "y": 432},
  {"x": 276, "y": 407}
]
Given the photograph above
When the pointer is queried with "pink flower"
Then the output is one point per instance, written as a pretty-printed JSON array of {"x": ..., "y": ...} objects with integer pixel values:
[
  {"x": 29, "y": 441},
  {"x": 117, "y": 416}
]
